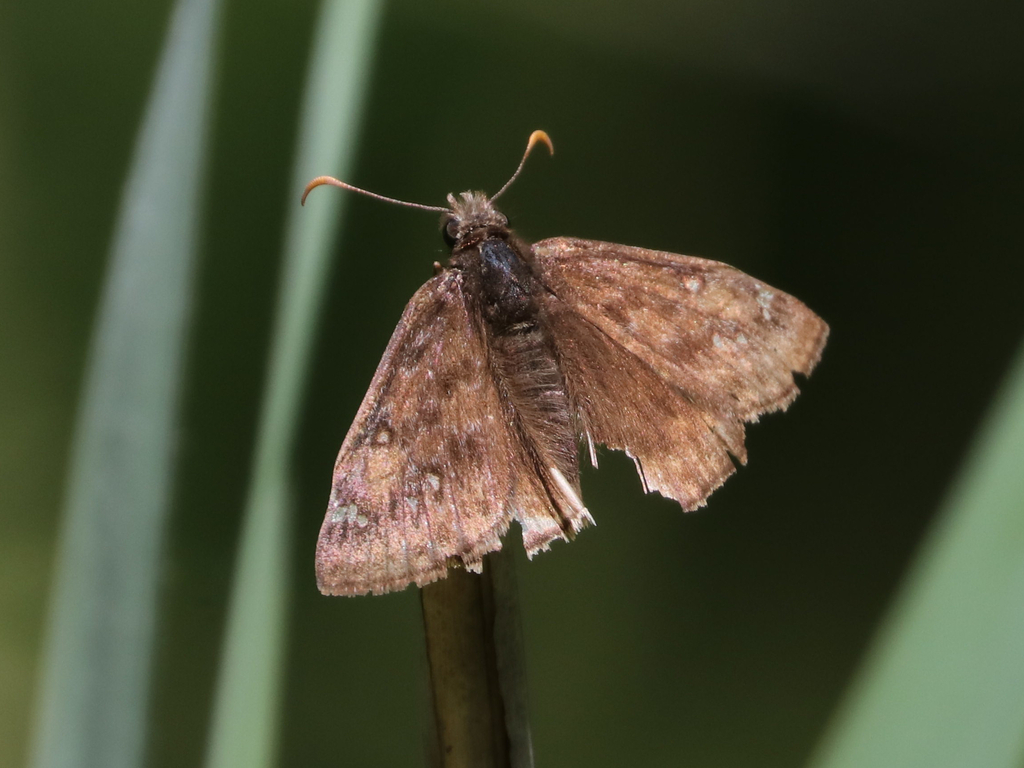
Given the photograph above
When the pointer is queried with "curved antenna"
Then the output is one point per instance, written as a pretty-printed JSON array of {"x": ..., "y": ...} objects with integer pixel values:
[
  {"x": 535, "y": 137},
  {"x": 321, "y": 180}
]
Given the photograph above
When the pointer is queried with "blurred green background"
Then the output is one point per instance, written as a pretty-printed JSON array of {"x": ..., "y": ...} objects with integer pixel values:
[{"x": 863, "y": 156}]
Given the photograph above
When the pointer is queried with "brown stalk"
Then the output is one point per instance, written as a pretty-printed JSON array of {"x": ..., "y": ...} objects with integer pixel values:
[{"x": 476, "y": 668}]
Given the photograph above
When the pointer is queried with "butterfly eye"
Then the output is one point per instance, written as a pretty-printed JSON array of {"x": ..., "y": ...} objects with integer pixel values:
[{"x": 450, "y": 232}]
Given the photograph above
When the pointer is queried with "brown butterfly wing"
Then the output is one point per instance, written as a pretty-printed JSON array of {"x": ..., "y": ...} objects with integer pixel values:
[
  {"x": 624, "y": 404},
  {"x": 430, "y": 472},
  {"x": 668, "y": 355}
]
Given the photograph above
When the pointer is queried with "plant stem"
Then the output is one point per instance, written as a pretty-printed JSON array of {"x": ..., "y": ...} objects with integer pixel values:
[{"x": 477, "y": 672}]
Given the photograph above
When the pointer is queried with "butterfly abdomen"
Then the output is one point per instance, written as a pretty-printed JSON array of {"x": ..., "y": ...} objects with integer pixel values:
[{"x": 522, "y": 356}]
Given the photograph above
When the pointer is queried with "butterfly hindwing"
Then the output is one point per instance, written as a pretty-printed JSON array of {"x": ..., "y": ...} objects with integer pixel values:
[{"x": 624, "y": 404}]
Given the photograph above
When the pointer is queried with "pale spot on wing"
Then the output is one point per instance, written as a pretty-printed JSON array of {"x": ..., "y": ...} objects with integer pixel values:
[
  {"x": 420, "y": 339},
  {"x": 344, "y": 514},
  {"x": 413, "y": 503},
  {"x": 692, "y": 284},
  {"x": 361, "y": 520},
  {"x": 433, "y": 481},
  {"x": 717, "y": 341}
]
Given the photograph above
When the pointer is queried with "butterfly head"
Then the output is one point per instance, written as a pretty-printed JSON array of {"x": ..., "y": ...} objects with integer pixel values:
[{"x": 471, "y": 218}]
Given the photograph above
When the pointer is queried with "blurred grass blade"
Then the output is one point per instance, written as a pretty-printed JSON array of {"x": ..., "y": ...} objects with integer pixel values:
[
  {"x": 944, "y": 682},
  {"x": 95, "y": 680},
  {"x": 244, "y": 728}
]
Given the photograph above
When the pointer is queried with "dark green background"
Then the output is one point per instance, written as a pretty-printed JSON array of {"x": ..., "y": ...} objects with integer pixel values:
[{"x": 865, "y": 157}]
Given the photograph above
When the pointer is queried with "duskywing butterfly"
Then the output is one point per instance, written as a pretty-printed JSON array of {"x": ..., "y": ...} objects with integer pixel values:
[{"x": 511, "y": 357}]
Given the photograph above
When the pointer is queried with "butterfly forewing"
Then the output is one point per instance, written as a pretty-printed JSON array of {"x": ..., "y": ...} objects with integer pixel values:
[
  {"x": 730, "y": 342},
  {"x": 427, "y": 472}
]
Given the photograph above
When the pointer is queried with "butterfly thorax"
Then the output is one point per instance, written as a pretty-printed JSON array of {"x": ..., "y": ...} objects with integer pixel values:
[{"x": 495, "y": 263}]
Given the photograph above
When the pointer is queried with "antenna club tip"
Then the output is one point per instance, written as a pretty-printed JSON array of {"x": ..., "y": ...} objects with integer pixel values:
[
  {"x": 319, "y": 180},
  {"x": 541, "y": 137}
]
